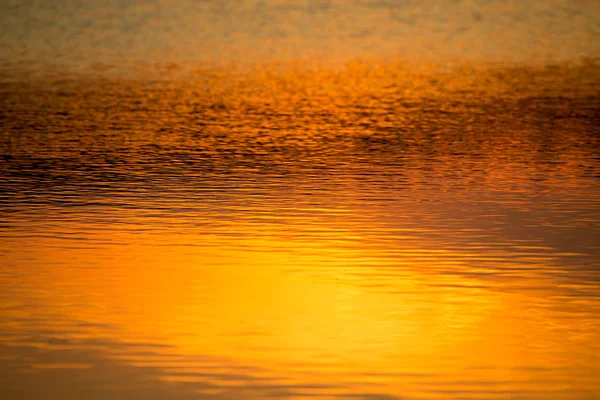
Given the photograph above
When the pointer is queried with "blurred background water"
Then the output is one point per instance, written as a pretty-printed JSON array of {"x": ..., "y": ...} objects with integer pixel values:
[
  {"x": 316, "y": 199},
  {"x": 81, "y": 33}
]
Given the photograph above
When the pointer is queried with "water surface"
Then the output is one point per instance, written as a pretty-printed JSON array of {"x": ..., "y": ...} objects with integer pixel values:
[{"x": 373, "y": 231}]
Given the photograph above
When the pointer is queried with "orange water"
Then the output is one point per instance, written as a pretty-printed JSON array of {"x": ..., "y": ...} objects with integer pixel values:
[{"x": 372, "y": 231}]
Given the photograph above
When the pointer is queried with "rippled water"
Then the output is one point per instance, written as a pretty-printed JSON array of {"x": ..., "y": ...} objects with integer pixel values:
[{"x": 372, "y": 231}]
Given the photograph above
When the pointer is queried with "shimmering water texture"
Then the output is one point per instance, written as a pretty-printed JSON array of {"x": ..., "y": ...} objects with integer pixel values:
[{"x": 362, "y": 232}]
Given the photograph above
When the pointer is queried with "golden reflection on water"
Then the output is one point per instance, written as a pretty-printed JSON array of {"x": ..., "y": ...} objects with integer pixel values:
[
  {"x": 319, "y": 315},
  {"x": 372, "y": 231}
]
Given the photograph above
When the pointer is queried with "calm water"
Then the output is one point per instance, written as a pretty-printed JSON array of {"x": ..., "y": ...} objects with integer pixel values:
[{"x": 372, "y": 231}]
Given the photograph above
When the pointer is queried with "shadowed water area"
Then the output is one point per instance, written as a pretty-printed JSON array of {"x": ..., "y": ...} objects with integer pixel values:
[{"x": 372, "y": 231}]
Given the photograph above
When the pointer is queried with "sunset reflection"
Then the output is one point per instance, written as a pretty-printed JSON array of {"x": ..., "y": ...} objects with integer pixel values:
[
  {"x": 285, "y": 226},
  {"x": 374, "y": 303}
]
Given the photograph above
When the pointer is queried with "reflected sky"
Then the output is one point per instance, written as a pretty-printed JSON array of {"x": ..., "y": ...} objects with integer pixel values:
[
  {"x": 365, "y": 231},
  {"x": 325, "y": 199}
]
